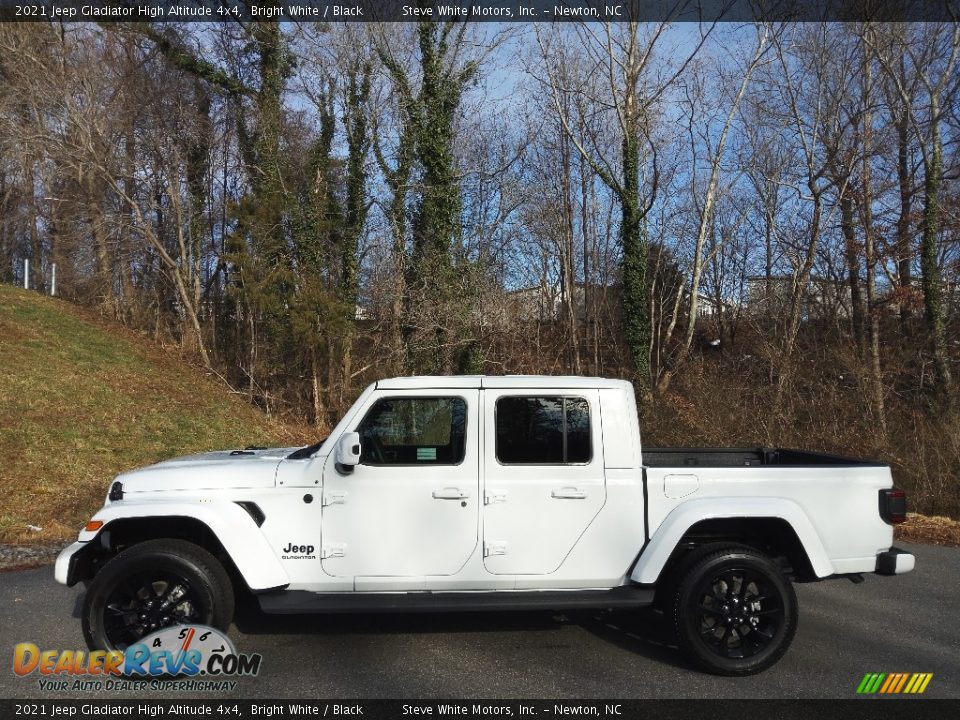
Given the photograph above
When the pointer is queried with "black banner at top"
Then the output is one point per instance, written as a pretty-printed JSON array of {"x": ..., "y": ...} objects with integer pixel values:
[{"x": 477, "y": 10}]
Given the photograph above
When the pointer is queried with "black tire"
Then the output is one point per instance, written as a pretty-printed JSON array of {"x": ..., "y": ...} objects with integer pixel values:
[
  {"x": 155, "y": 584},
  {"x": 734, "y": 611}
]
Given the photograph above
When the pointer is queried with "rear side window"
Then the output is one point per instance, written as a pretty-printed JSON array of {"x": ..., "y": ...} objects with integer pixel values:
[
  {"x": 414, "y": 431},
  {"x": 543, "y": 430}
]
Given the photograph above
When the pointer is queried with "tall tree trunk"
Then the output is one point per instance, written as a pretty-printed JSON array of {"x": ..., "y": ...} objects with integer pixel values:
[
  {"x": 355, "y": 214},
  {"x": 197, "y": 169},
  {"x": 36, "y": 241},
  {"x": 398, "y": 179},
  {"x": 567, "y": 278},
  {"x": 127, "y": 305},
  {"x": 799, "y": 296},
  {"x": 636, "y": 308},
  {"x": 929, "y": 262},
  {"x": 873, "y": 317},
  {"x": 904, "y": 244},
  {"x": 6, "y": 235},
  {"x": 852, "y": 257},
  {"x": 103, "y": 264},
  {"x": 589, "y": 299},
  {"x": 251, "y": 355},
  {"x": 769, "y": 214},
  {"x": 316, "y": 390}
]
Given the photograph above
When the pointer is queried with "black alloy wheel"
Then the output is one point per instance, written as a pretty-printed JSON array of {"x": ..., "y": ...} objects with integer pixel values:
[
  {"x": 143, "y": 603},
  {"x": 735, "y": 612},
  {"x": 153, "y": 585},
  {"x": 740, "y": 613}
]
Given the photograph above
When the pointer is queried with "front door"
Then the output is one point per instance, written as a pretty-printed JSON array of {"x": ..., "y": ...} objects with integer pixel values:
[
  {"x": 410, "y": 508},
  {"x": 544, "y": 481}
]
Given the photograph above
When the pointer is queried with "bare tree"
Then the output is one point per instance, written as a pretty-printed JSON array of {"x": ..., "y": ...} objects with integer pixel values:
[
  {"x": 706, "y": 206},
  {"x": 931, "y": 51},
  {"x": 627, "y": 68}
]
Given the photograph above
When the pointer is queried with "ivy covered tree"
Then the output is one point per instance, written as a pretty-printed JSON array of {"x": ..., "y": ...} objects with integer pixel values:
[{"x": 431, "y": 335}]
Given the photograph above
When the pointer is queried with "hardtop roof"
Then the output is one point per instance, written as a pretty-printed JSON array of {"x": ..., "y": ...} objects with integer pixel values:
[{"x": 539, "y": 382}]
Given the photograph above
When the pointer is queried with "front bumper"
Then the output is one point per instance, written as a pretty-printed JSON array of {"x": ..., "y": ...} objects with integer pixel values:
[
  {"x": 65, "y": 560},
  {"x": 895, "y": 562}
]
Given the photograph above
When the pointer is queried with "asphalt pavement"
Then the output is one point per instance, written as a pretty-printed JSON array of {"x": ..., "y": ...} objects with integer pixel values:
[{"x": 909, "y": 623}]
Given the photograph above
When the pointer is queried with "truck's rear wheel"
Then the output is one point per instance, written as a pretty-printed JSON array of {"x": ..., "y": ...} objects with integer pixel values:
[
  {"x": 152, "y": 585},
  {"x": 735, "y": 612}
]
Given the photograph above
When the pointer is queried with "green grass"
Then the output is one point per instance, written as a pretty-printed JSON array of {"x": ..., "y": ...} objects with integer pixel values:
[{"x": 81, "y": 400}]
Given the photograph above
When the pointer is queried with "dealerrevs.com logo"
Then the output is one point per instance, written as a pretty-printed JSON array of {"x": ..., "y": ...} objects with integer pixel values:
[{"x": 183, "y": 657}]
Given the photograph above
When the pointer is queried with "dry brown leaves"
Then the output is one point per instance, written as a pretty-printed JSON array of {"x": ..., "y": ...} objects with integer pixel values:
[{"x": 936, "y": 530}]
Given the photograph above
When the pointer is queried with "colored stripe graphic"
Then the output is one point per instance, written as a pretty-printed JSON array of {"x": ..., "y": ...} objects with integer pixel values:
[
  {"x": 894, "y": 683},
  {"x": 921, "y": 684},
  {"x": 890, "y": 680}
]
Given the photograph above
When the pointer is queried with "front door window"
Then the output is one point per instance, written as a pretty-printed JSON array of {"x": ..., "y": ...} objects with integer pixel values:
[{"x": 414, "y": 431}]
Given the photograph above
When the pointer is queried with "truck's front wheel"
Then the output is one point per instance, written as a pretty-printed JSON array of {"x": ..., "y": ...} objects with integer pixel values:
[
  {"x": 735, "y": 612},
  {"x": 152, "y": 585}
]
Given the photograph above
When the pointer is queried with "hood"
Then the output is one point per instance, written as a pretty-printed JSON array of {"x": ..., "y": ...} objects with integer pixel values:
[{"x": 207, "y": 471}]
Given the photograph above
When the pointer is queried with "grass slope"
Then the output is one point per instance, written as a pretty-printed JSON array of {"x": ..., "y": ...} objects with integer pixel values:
[{"x": 81, "y": 400}]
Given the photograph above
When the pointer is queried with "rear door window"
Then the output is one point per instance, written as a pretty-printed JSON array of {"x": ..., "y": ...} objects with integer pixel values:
[{"x": 543, "y": 430}]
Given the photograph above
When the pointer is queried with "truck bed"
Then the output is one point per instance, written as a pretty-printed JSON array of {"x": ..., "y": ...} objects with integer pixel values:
[{"x": 746, "y": 457}]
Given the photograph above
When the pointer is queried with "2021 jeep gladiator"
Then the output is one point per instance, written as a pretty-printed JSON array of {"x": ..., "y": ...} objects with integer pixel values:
[{"x": 488, "y": 493}]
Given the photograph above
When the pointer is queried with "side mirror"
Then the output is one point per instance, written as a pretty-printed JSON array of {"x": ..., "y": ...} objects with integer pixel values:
[{"x": 348, "y": 450}]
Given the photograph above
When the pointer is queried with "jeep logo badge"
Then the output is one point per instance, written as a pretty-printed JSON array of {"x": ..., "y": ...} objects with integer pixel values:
[{"x": 297, "y": 552}]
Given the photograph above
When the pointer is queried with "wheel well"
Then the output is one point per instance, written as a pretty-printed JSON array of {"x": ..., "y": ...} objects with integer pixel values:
[
  {"x": 121, "y": 534},
  {"x": 772, "y": 536}
]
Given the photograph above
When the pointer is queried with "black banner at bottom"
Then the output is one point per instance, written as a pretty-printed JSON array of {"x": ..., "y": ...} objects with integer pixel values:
[{"x": 858, "y": 709}]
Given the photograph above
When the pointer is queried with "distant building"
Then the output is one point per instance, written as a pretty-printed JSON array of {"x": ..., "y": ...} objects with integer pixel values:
[
  {"x": 709, "y": 307},
  {"x": 537, "y": 302},
  {"x": 895, "y": 298},
  {"x": 545, "y": 302},
  {"x": 822, "y": 298}
]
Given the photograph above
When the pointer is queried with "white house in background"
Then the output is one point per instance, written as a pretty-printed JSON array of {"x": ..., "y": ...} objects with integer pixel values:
[
  {"x": 545, "y": 302},
  {"x": 536, "y": 302},
  {"x": 709, "y": 307},
  {"x": 823, "y": 297}
]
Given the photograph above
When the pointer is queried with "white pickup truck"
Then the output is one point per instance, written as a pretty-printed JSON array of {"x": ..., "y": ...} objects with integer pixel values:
[{"x": 488, "y": 493}]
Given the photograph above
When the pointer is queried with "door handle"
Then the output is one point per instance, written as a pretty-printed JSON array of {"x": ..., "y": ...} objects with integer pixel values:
[
  {"x": 450, "y": 493},
  {"x": 333, "y": 498},
  {"x": 568, "y": 493}
]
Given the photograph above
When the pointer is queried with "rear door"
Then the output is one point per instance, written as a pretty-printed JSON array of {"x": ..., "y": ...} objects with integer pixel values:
[
  {"x": 410, "y": 508},
  {"x": 544, "y": 477}
]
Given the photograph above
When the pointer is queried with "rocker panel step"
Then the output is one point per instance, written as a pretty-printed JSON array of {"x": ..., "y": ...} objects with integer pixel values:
[{"x": 296, "y": 602}]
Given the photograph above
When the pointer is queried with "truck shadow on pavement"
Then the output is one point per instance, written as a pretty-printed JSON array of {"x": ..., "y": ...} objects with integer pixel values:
[
  {"x": 249, "y": 619},
  {"x": 645, "y": 632}
]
